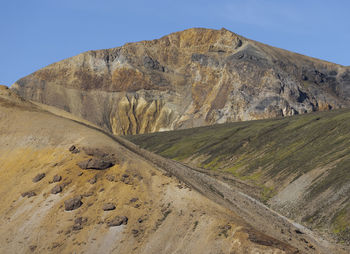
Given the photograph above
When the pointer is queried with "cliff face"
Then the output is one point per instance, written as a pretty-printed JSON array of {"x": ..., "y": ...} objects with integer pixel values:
[{"x": 186, "y": 79}]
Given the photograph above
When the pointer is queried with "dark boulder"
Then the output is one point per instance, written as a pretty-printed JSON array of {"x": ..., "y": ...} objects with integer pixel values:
[
  {"x": 95, "y": 163},
  {"x": 56, "y": 178},
  {"x": 28, "y": 194},
  {"x": 117, "y": 221},
  {"x": 38, "y": 177},
  {"x": 74, "y": 149},
  {"x": 56, "y": 189},
  {"x": 72, "y": 203},
  {"x": 108, "y": 207}
]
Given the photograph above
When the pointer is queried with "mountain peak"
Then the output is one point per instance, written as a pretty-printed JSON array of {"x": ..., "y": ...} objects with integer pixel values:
[{"x": 186, "y": 79}]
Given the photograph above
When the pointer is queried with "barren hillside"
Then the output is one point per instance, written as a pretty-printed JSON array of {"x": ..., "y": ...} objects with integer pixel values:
[{"x": 120, "y": 204}]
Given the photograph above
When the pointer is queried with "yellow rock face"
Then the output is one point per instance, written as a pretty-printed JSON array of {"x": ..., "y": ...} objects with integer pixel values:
[{"x": 186, "y": 79}]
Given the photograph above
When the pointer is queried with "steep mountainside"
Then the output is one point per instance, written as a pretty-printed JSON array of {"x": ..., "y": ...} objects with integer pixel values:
[
  {"x": 186, "y": 79},
  {"x": 297, "y": 165},
  {"x": 49, "y": 204}
]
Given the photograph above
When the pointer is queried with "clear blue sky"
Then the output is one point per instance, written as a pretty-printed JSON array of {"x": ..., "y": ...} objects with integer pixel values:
[{"x": 35, "y": 33}]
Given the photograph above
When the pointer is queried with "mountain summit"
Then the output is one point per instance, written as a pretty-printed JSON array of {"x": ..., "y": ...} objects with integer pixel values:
[{"x": 187, "y": 79}]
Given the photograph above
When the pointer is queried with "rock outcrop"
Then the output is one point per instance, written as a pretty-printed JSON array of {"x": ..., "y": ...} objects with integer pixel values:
[{"x": 186, "y": 79}]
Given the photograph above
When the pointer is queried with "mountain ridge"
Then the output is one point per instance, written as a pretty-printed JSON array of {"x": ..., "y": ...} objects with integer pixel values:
[{"x": 187, "y": 79}]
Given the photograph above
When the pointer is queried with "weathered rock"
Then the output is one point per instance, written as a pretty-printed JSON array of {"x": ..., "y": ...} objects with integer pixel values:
[
  {"x": 95, "y": 163},
  {"x": 187, "y": 79},
  {"x": 117, "y": 221},
  {"x": 73, "y": 149},
  {"x": 28, "y": 194},
  {"x": 73, "y": 203},
  {"x": 108, "y": 207},
  {"x": 56, "y": 178},
  {"x": 38, "y": 177},
  {"x": 56, "y": 189}
]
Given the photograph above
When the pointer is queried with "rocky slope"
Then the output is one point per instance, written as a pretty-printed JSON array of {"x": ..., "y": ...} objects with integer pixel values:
[
  {"x": 49, "y": 204},
  {"x": 186, "y": 79},
  {"x": 297, "y": 165}
]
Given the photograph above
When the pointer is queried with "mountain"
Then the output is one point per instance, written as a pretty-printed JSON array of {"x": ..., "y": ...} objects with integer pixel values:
[
  {"x": 298, "y": 165},
  {"x": 122, "y": 204},
  {"x": 192, "y": 78}
]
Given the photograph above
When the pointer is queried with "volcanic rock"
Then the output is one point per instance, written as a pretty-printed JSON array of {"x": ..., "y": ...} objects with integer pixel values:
[
  {"x": 117, "y": 221},
  {"x": 56, "y": 178},
  {"x": 95, "y": 163},
  {"x": 38, "y": 177},
  {"x": 28, "y": 194},
  {"x": 73, "y": 203},
  {"x": 56, "y": 189},
  {"x": 108, "y": 207},
  {"x": 73, "y": 149}
]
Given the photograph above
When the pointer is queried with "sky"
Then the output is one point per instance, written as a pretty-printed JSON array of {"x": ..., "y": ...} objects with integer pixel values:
[{"x": 36, "y": 33}]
